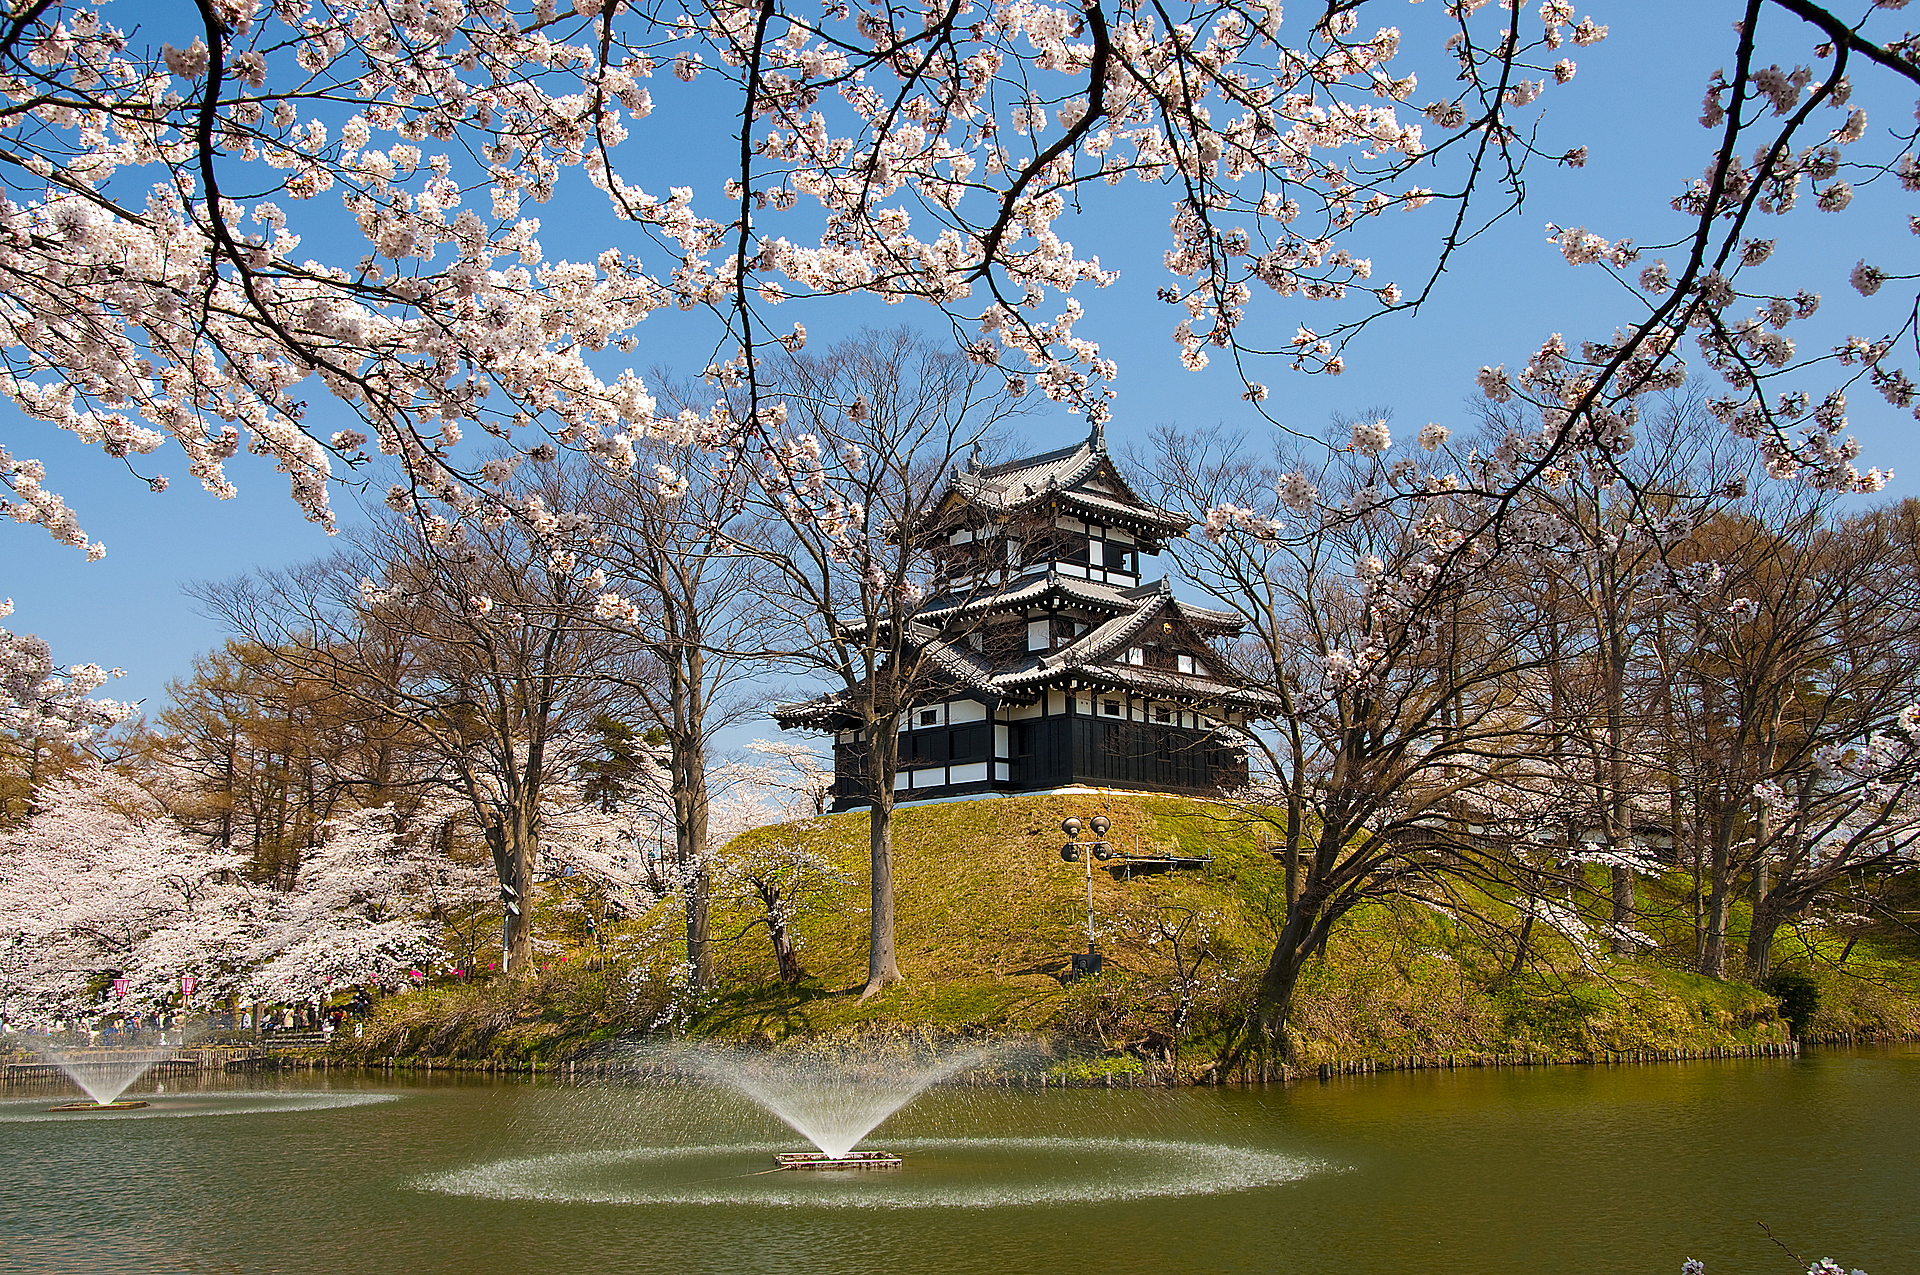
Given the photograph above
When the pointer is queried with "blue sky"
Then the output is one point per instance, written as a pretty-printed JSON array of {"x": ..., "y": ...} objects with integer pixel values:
[{"x": 1634, "y": 103}]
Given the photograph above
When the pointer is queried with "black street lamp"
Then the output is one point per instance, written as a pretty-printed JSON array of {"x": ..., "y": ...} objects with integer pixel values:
[{"x": 1076, "y": 851}]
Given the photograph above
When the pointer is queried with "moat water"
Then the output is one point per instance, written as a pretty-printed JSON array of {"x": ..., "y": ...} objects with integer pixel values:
[{"x": 1587, "y": 1171}]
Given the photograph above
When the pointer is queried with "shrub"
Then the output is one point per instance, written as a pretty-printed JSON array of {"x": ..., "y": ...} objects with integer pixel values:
[{"x": 1798, "y": 994}]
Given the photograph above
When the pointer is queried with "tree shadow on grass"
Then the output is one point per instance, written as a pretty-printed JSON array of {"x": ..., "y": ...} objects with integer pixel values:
[{"x": 771, "y": 1010}]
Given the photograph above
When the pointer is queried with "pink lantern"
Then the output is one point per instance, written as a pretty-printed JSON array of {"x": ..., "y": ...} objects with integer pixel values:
[
  {"x": 187, "y": 983},
  {"x": 120, "y": 986}
]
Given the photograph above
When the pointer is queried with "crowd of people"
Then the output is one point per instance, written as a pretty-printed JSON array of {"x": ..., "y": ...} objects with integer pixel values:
[{"x": 175, "y": 1025}]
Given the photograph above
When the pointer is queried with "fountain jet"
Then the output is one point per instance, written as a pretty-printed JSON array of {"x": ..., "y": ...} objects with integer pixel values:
[
  {"x": 832, "y": 1096},
  {"x": 104, "y": 1074}
]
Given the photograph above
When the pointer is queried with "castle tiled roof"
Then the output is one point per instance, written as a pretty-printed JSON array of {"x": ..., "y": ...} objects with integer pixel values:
[
  {"x": 1053, "y": 584},
  {"x": 1003, "y": 489},
  {"x": 1090, "y": 657}
]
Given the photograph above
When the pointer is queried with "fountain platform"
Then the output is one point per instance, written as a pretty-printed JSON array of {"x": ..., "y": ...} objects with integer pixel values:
[
  {"x": 121, "y": 1104},
  {"x": 851, "y": 1160}
]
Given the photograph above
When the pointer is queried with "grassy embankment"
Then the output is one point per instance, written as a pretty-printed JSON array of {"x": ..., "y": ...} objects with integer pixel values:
[{"x": 988, "y": 913}]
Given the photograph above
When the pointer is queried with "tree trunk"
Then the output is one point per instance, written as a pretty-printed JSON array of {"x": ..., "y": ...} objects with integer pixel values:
[
  {"x": 883, "y": 966},
  {"x": 1713, "y": 957},
  {"x": 1623, "y": 911},
  {"x": 1697, "y": 902},
  {"x": 1767, "y": 919},
  {"x": 696, "y": 871},
  {"x": 688, "y": 759},
  {"x": 1522, "y": 944},
  {"x": 883, "y": 751},
  {"x": 784, "y": 952},
  {"x": 511, "y": 841},
  {"x": 1617, "y": 806},
  {"x": 1713, "y": 951},
  {"x": 1766, "y": 924},
  {"x": 699, "y": 895},
  {"x": 1277, "y": 985}
]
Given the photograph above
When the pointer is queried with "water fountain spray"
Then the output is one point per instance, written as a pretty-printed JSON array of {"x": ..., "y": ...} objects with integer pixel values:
[
  {"x": 832, "y": 1097},
  {"x": 103, "y": 1073}
]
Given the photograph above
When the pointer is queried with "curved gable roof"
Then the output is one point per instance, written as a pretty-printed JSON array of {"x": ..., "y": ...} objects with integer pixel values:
[{"x": 1065, "y": 475}]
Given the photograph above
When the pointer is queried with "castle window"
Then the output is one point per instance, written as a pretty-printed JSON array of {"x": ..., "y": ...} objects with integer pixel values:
[
  {"x": 1111, "y": 707},
  {"x": 931, "y": 717},
  {"x": 1163, "y": 715}
]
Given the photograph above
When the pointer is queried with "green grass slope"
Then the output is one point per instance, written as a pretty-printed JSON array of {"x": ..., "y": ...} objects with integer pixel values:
[{"x": 988, "y": 915}]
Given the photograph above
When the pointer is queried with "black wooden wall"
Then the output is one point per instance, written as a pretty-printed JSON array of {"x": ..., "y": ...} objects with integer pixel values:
[{"x": 1051, "y": 752}]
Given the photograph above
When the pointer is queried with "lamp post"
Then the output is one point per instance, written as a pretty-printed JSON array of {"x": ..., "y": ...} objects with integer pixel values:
[{"x": 1076, "y": 851}]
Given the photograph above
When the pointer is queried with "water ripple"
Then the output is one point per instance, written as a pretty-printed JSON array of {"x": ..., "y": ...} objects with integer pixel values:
[
  {"x": 939, "y": 1173},
  {"x": 169, "y": 1106}
]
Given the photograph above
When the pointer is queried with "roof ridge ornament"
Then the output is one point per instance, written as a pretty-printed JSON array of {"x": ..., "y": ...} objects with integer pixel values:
[{"x": 1097, "y": 440}]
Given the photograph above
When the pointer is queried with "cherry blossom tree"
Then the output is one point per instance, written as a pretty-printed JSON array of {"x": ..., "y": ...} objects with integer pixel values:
[
  {"x": 846, "y": 518},
  {"x": 688, "y": 602},
  {"x": 41, "y": 702},
  {"x": 1595, "y": 544},
  {"x": 45, "y": 713},
  {"x": 102, "y": 882},
  {"x": 780, "y": 877},
  {"x": 796, "y": 777},
  {"x": 156, "y": 301},
  {"x": 1399, "y": 679},
  {"x": 179, "y": 180},
  {"x": 478, "y": 639},
  {"x": 607, "y": 839},
  {"x": 371, "y": 903},
  {"x": 767, "y": 852},
  {"x": 1799, "y": 668}
]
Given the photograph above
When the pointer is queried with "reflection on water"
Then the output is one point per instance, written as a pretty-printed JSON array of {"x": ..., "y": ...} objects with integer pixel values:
[{"x": 1577, "y": 1170}]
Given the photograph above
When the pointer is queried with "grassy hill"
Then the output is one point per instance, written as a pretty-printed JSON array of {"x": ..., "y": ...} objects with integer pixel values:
[{"x": 988, "y": 915}]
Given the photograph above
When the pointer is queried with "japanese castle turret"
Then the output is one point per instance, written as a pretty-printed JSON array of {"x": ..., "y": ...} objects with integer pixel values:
[{"x": 1052, "y": 661}]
